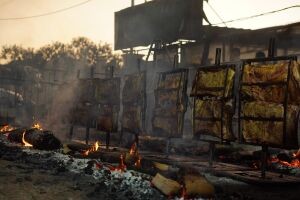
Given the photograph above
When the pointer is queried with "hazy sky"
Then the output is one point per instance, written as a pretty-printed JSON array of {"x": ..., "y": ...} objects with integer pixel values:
[{"x": 96, "y": 18}]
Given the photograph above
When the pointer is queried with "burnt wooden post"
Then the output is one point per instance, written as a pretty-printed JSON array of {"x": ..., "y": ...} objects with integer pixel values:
[
  {"x": 264, "y": 160},
  {"x": 168, "y": 147},
  {"x": 212, "y": 147},
  {"x": 121, "y": 137},
  {"x": 107, "y": 139},
  {"x": 136, "y": 140},
  {"x": 71, "y": 131},
  {"x": 87, "y": 133}
]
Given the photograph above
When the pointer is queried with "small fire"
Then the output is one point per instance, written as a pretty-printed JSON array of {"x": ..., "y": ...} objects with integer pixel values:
[
  {"x": 133, "y": 149},
  {"x": 294, "y": 163},
  {"x": 26, "y": 144},
  {"x": 37, "y": 126},
  {"x": 6, "y": 128},
  {"x": 137, "y": 164},
  {"x": 94, "y": 148},
  {"x": 134, "y": 153},
  {"x": 122, "y": 167},
  {"x": 183, "y": 194}
]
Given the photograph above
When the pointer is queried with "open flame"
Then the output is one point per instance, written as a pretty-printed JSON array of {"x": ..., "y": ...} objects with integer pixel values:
[
  {"x": 137, "y": 164},
  {"x": 183, "y": 194},
  {"x": 26, "y": 144},
  {"x": 6, "y": 128},
  {"x": 133, "y": 149},
  {"x": 37, "y": 126},
  {"x": 93, "y": 148},
  {"x": 122, "y": 167},
  {"x": 134, "y": 153},
  {"x": 294, "y": 163}
]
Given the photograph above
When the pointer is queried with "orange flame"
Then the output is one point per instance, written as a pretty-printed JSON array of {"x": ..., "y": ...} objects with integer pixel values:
[
  {"x": 122, "y": 167},
  {"x": 184, "y": 194},
  {"x": 37, "y": 126},
  {"x": 137, "y": 164},
  {"x": 6, "y": 128},
  {"x": 294, "y": 163},
  {"x": 94, "y": 148},
  {"x": 132, "y": 149},
  {"x": 134, "y": 153},
  {"x": 26, "y": 144}
]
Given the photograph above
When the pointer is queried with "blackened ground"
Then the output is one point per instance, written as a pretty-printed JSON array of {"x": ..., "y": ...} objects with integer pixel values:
[{"x": 26, "y": 176}]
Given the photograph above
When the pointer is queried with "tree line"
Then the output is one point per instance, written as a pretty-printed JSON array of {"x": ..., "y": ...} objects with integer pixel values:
[{"x": 80, "y": 49}]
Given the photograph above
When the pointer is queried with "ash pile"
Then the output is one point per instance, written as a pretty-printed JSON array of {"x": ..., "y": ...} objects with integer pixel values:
[{"x": 92, "y": 169}]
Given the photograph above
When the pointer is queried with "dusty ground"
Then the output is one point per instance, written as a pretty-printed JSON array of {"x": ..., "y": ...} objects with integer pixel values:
[
  {"x": 28, "y": 177},
  {"x": 21, "y": 182}
]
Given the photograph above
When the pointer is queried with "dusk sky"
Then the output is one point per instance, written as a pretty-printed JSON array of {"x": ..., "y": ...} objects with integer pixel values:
[{"x": 95, "y": 19}]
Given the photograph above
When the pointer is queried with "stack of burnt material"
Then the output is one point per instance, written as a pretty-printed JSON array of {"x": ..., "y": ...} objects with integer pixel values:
[
  {"x": 270, "y": 97},
  {"x": 33, "y": 137},
  {"x": 213, "y": 101}
]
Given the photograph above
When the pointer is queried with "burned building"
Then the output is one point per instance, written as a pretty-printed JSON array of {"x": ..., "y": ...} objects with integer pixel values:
[{"x": 196, "y": 111}]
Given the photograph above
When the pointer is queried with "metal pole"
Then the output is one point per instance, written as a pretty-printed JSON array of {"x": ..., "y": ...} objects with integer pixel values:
[
  {"x": 264, "y": 157},
  {"x": 87, "y": 135},
  {"x": 107, "y": 139},
  {"x": 71, "y": 132},
  {"x": 168, "y": 147},
  {"x": 132, "y": 3},
  {"x": 211, "y": 154}
]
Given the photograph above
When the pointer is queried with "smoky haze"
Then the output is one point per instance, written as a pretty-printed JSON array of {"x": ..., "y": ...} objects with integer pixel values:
[{"x": 95, "y": 19}]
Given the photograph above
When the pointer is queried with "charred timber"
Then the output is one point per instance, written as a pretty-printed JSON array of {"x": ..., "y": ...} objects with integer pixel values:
[{"x": 42, "y": 140}]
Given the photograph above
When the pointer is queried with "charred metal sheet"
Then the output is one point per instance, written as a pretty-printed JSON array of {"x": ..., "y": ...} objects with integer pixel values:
[{"x": 166, "y": 20}]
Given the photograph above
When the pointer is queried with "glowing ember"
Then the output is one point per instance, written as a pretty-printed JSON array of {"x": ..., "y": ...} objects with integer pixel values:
[
  {"x": 26, "y": 144},
  {"x": 294, "y": 163},
  {"x": 133, "y": 149},
  {"x": 122, "y": 167},
  {"x": 94, "y": 148},
  {"x": 184, "y": 194},
  {"x": 6, "y": 128},
  {"x": 37, "y": 126},
  {"x": 137, "y": 164}
]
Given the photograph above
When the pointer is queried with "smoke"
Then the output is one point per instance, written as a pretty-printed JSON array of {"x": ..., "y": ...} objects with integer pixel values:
[{"x": 58, "y": 117}]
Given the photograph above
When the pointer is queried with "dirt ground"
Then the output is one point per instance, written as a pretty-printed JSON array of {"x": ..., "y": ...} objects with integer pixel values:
[{"x": 20, "y": 182}]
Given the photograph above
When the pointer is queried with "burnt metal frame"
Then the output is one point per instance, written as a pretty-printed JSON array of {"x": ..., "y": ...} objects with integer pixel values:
[
  {"x": 111, "y": 105},
  {"x": 270, "y": 58},
  {"x": 71, "y": 130},
  {"x": 217, "y": 66},
  {"x": 143, "y": 112},
  {"x": 183, "y": 76},
  {"x": 284, "y": 84},
  {"x": 183, "y": 86}
]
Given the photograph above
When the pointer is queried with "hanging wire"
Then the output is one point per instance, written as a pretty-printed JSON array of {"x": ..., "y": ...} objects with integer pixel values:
[
  {"x": 216, "y": 13},
  {"x": 47, "y": 13},
  {"x": 259, "y": 15}
]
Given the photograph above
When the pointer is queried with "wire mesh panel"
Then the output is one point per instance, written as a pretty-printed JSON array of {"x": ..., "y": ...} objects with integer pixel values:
[
  {"x": 213, "y": 102},
  {"x": 269, "y": 102},
  {"x": 107, "y": 97},
  {"x": 170, "y": 103},
  {"x": 134, "y": 103}
]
